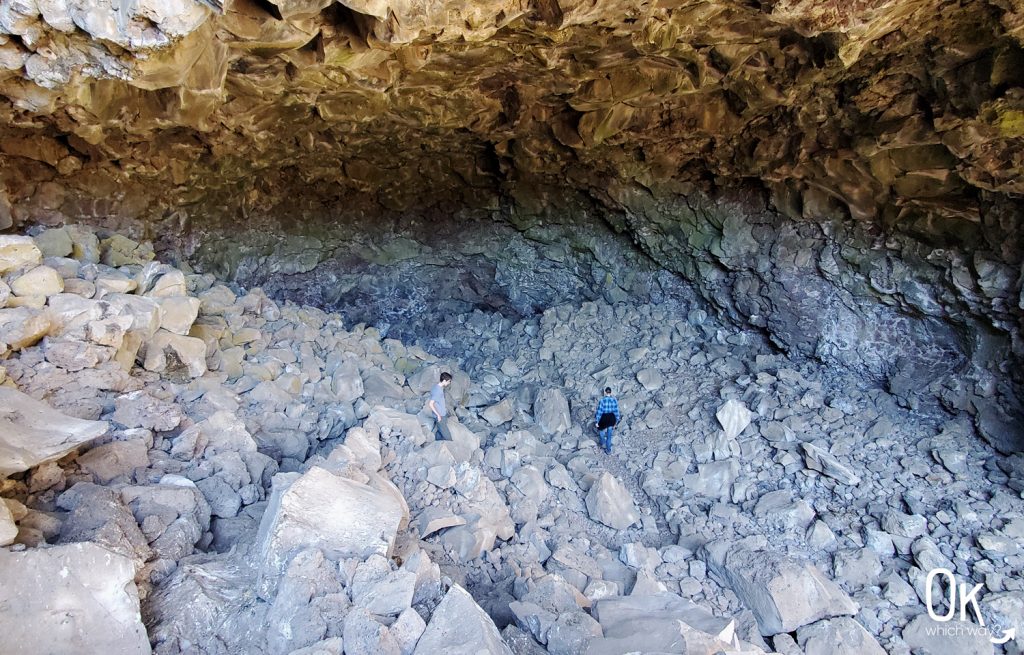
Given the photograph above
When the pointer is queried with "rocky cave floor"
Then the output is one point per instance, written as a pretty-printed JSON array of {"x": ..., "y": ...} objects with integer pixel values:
[{"x": 267, "y": 473}]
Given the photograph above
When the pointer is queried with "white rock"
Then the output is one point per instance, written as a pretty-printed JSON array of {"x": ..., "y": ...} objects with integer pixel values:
[
  {"x": 31, "y": 432},
  {"x": 609, "y": 502},
  {"x": 651, "y": 379},
  {"x": 76, "y": 598},
  {"x": 818, "y": 459},
  {"x": 459, "y": 627},
  {"x": 734, "y": 418},
  {"x": 321, "y": 510},
  {"x": 662, "y": 623},
  {"x": 498, "y": 413}
]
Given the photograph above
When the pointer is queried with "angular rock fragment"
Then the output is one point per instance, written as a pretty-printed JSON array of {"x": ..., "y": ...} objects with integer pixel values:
[
  {"x": 459, "y": 627},
  {"x": 783, "y": 593},
  {"x": 21, "y": 327},
  {"x": 821, "y": 460},
  {"x": 76, "y": 598},
  {"x": 734, "y": 418},
  {"x": 838, "y": 636},
  {"x": 31, "y": 432},
  {"x": 318, "y": 509},
  {"x": 609, "y": 502},
  {"x": 551, "y": 411}
]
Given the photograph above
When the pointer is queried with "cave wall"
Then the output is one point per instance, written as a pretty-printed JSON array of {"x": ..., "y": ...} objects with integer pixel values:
[{"x": 844, "y": 176}]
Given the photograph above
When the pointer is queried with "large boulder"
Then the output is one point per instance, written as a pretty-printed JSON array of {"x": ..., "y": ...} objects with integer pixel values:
[
  {"x": 460, "y": 627},
  {"x": 551, "y": 411},
  {"x": 77, "y": 598},
  {"x": 783, "y": 593},
  {"x": 31, "y": 432},
  {"x": 609, "y": 502},
  {"x": 662, "y": 623},
  {"x": 321, "y": 510},
  {"x": 734, "y": 418}
]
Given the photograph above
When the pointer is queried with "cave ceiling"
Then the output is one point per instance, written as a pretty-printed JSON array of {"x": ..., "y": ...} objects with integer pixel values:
[{"x": 882, "y": 108}]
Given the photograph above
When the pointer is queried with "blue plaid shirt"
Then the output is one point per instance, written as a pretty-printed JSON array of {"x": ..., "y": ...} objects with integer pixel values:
[{"x": 608, "y": 405}]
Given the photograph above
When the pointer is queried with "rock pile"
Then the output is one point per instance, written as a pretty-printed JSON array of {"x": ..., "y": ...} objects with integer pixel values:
[{"x": 267, "y": 480}]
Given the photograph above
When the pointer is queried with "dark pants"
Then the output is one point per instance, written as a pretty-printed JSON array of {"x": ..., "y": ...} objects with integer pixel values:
[{"x": 441, "y": 431}]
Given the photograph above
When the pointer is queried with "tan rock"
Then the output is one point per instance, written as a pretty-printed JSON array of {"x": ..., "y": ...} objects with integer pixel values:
[
  {"x": 39, "y": 281},
  {"x": 168, "y": 285},
  {"x": 21, "y": 327},
  {"x": 17, "y": 252},
  {"x": 178, "y": 313},
  {"x": 8, "y": 530},
  {"x": 190, "y": 351}
]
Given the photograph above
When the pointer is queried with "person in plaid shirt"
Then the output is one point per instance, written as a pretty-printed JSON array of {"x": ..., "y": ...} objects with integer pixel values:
[{"x": 606, "y": 418}]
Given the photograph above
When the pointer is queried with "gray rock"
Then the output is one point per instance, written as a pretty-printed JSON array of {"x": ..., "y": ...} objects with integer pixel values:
[
  {"x": 571, "y": 633},
  {"x": 839, "y": 636},
  {"x": 650, "y": 379},
  {"x": 223, "y": 500},
  {"x": 734, "y": 418},
  {"x": 662, "y": 623},
  {"x": 459, "y": 627},
  {"x": 609, "y": 502},
  {"x": 713, "y": 479},
  {"x": 499, "y": 413},
  {"x": 363, "y": 635},
  {"x": 407, "y": 630},
  {"x": 949, "y": 638},
  {"x": 321, "y": 510},
  {"x": 551, "y": 411},
  {"x": 94, "y": 590},
  {"x": 784, "y": 593},
  {"x": 432, "y": 519},
  {"x": 818, "y": 459},
  {"x": 115, "y": 459}
]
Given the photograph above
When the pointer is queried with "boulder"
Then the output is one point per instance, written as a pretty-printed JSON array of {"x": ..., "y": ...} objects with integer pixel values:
[
  {"x": 21, "y": 327},
  {"x": 734, "y": 418},
  {"x": 364, "y": 635},
  {"x": 433, "y": 519},
  {"x": 783, "y": 593},
  {"x": 498, "y": 413},
  {"x": 115, "y": 459},
  {"x": 76, "y": 598},
  {"x": 39, "y": 281},
  {"x": 609, "y": 502},
  {"x": 551, "y": 411},
  {"x": 459, "y": 627},
  {"x": 321, "y": 510},
  {"x": 31, "y": 432},
  {"x": 955, "y": 637},
  {"x": 651, "y": 379},
  {"x": 661, "y": 623},
  {"x": 17, "y": 252},
  {"x": 839, "y": 636},
  {"x": 178, "y": 313},
  {"x": 54, "y": 243},
  {"x": 190, "y": 351}
]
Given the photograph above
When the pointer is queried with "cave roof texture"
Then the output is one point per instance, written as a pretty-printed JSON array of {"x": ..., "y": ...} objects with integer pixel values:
[{"x": 891, "y": 110}]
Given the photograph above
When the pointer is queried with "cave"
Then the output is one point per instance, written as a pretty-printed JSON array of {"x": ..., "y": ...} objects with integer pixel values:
[{"x": 242, "y": 241}]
